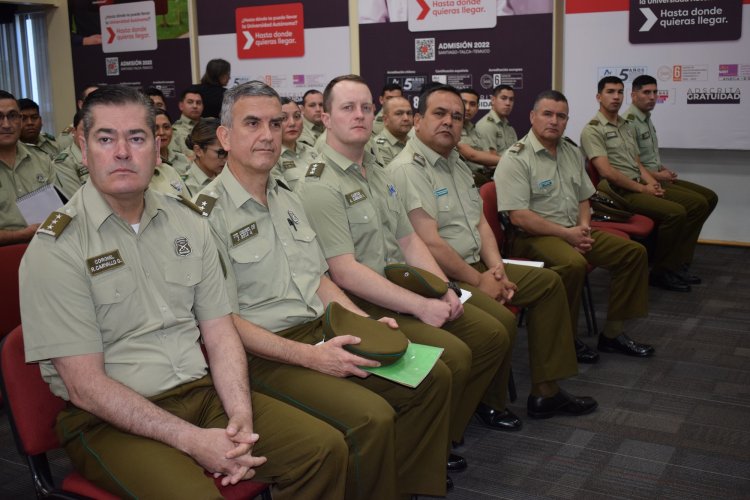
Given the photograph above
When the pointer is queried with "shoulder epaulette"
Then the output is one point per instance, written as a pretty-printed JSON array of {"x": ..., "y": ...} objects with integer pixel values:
[
  {"x": 630, "y": 117},
  {"x": 571, "y": 141},
  {"x": 419, "y": 159},
  {"x": 379, "y": 118},
  {"x": 55, "y": 224},
  {"x": 69, "y": 129},
  {"x": 380, "y": 140},
  {"x": 490, "y": 119},
  {"x": 60, "y": 157},
  {"x": 516, "y": 148},
  {"x": 315, "y": 170},
  {"x": 594, "y": 122},
  {"x": 49, "y": 137},
  {"x": 204, "y": 204}
]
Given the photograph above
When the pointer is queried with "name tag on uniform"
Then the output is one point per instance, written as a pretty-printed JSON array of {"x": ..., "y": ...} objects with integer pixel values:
[
  {"x": 646, "y": 135},
  {"x": 104, "y": 262},
  {"x": 244, "y": 233},
  {"x": 545, "y": 184},
  {"x": 441, "y": 192},
  {"x": 286, "y": 165},
  {"x": 611, "y": 135},
  {"x": 355, "y": 197}
]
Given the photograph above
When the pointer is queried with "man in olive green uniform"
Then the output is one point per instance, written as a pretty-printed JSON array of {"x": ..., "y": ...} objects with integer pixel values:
[
  {"x": 191, "y": 108},
  {"x": 67, "y": 136},
  {"x": 694, "y": 197},
  {"x": 609, "y": 142},
  {"x": 398, "y": 118},
  {"x": 31, "y": 129},
  {"x": 476, "y": 151},
  {"x": 494, "y": 126},
  {"x": 275, "y": 276},
  {"x": 71, "y": 172},
  {"x": 362, "y": 226},
  {"x": 143, "y": 284},
  {"x": 390, "y": 90},
  {"x": 542, "y": 184},
  {"x": 446, "y": 211},
  {"x": 312, "y": 109},
  {"x": 23, "y": 169}
]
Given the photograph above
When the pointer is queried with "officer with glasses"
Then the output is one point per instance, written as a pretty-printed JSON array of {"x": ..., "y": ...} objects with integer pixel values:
[{"x": 210, "y": 157}]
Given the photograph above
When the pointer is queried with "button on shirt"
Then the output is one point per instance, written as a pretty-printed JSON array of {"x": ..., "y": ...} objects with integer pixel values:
[
  {"x": 100, "y": 287},
  {"x": 445, "y": 189},
  {"x": 353, "y": 214},
  {"x": 551, "y": 186},
  {"x": 616, "y": 141},
  {"x": 273, "y": 259}
]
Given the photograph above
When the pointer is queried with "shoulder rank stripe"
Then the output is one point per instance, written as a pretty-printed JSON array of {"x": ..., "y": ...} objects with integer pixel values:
[
  {"x": 315, "y": 170},
  {"x": 55, "y": 224},
  {"x": 204, "y": 204},
  {"x": 419, "y": 159},
  {"x": 594, "y": 122},
  {"x": 516, "y": 148}
]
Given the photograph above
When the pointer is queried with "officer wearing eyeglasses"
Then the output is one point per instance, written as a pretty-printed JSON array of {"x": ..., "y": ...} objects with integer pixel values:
[{"x": 23, "y": 169}]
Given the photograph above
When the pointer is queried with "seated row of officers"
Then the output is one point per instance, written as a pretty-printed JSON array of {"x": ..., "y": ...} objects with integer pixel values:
[{"x": 278, "y": 227}]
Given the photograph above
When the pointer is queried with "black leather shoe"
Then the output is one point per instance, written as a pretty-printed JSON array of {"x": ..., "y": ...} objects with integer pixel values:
[
  {"x": 504, "y": 420},
  {"x": 585, "y": 354},
  {"x": 668, "y": 281},
  {"x": 686, "y": 277},
  {"x": 456, "y": 463},
  {"x": 448, "y": 483},
  {"x": 625, "y": 345},
  {"x": 561, "y": 403}
]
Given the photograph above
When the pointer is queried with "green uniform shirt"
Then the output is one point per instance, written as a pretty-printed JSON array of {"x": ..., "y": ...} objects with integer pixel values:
[
  {"x": 167, "y": 180},
  {"x": 386, "y": 146},
  {"x": 177, "y": 161},
  {"x": 97, "y": 286},
  {"x": 272, "y": 257},
  {"x": 292, "y": 165},
  {"x": 378, "y": 125},
  {"x": 33, "y": 169},
  {"x": 529, "y": 178},
  {"x": 497, "y": 132},
  {"x": 616, "y": 141},
  {"x": 470, "y": 135},
  {"x": 352, "y": 214},
  {"x": 181, "y": 128},
  {"x": 47, "y": 144},
  {"x": 310, "y": 132},
  {"x": 195, "y": 180},
  {"x": 444, "y": 188},
  {"x": 65, "y": 138},
  {"x": 71, "y": 172},
  {"x": 645, "y": 135}
]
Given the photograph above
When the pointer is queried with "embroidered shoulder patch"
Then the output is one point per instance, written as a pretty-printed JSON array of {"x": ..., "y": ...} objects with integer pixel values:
[
  {"x": 204, "y": 204},
  {"x": 315, "y": 170},
  {"x": 419, "y": 159},
  {"x": 55, "y": 224},
  {"x": 380, "y": 140},
  {"x": 516, "y": 148},
  {"x": 594, "y": 122}
]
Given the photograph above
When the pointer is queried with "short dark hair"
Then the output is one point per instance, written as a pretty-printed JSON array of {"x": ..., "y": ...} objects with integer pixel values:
[
  {"x": 607, "y": 79},
  {"x": 499, "y": 88},
  {"x": 77, "y": 118},
  {"x": 425, "y": 96},
  {"x": 310, "y": 92},
  {"x": 286, "y": 100},
  {"x": 27, "y": 104},
  {"x": 327, "y": 97},
  {"x": 204, "y": 133},
  {"x": 469, "y": 91},
  {"x": 390, "y": 87},
  {"x": 643, "y": 80},
  {"x": 115, "y": 95},
  {"x": 7, "y": 95},
  {"x": 159, "y": 112},
  {"x": 82, "y": 93},
  {"x": 154, "y": 92},
  {"x": 215, "y": 69},
  {"x": 193, "y": 89},
  {"x": 553, "y": 95}
]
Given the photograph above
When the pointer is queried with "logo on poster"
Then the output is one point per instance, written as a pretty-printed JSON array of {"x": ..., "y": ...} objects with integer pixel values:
[
  {"x": 714, "y": 95},
  {"x": 113, "y": 66},
  {"x": 664, "y": 73},
  {"x": 664, "y": 96},
  {"x": 734, "y": 72},
  {"x": 486, "y": 81},
  {"x": 424, "y": 49},
  {"x": 624, "y": 73}
]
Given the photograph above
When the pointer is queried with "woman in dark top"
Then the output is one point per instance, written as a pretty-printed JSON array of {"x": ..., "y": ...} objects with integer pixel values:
[{"x": 212, "y": 86}]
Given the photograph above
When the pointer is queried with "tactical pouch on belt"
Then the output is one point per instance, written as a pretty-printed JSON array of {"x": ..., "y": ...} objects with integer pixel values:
[
  {"x": 417, "y": 280},
  {"x": 609, "y": 207},
  {"x": 379, "y": 342}
]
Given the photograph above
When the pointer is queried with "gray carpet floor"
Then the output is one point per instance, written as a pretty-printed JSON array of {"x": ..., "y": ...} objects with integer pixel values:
[{"x": 676, "y": 426}]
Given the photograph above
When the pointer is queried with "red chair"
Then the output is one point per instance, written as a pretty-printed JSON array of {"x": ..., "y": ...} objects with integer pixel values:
[
  {"x": 10, "y": 310},
  {"x": 32, "y": 410}
]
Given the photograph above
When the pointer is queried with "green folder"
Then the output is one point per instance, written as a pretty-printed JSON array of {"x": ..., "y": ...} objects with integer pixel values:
[{"x": 413, "y": 366}]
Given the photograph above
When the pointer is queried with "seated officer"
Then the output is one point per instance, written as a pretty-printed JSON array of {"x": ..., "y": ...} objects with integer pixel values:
[
  {"x": 390, "y": 90},
  {"x": 275, "y": 275},
  {"x": 191, "y": 109},
  {"x": 609, "y": 142},
  {"x": 446, "y": 211},
  {"x": 542, "y": 184},
  {"x": 71, "y": 172},
  {"x": 361, "y": 225},
  {"x": 31, "y": 129},
  {"x": 398, "y": 119},
  {"x": 210, "y": 158},
  {"x": 312, "y": 109},
  {"x": 295, "y": 155},
  {"x": 694, "y": 197},
  {"x": 143, "y": 285},
  {"x": 473, "y": 147},
  {"x": 23, "y": 169},
  {"x": 494, "y": 127}
]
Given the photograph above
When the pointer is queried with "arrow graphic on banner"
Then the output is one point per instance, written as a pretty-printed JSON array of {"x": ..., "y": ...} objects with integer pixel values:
[
  {"x": 425, "y": 10},
  {"x": 650, "y": 19},
  {"x": 111, "y": 35},
  {"x": 248, "y": 40}
]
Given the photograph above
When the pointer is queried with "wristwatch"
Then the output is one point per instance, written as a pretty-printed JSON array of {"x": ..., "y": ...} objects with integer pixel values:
[{"x": 453, "y": 286}]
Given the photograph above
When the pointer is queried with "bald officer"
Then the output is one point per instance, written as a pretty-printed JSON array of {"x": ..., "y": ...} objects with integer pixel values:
[
  {"x": 143, "y": 286},
  {"x": 694, "y": 197},
  {"x": 542, "y": 184},
  {"x": 445, "y": 209},
  {"x": 362, "y": 227},
  {"x": 23, "y": 169},
  {"x": 494, "y": 126},
  {"x": 275, "y": 274},
  {"x": 398, "y": 119}
]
